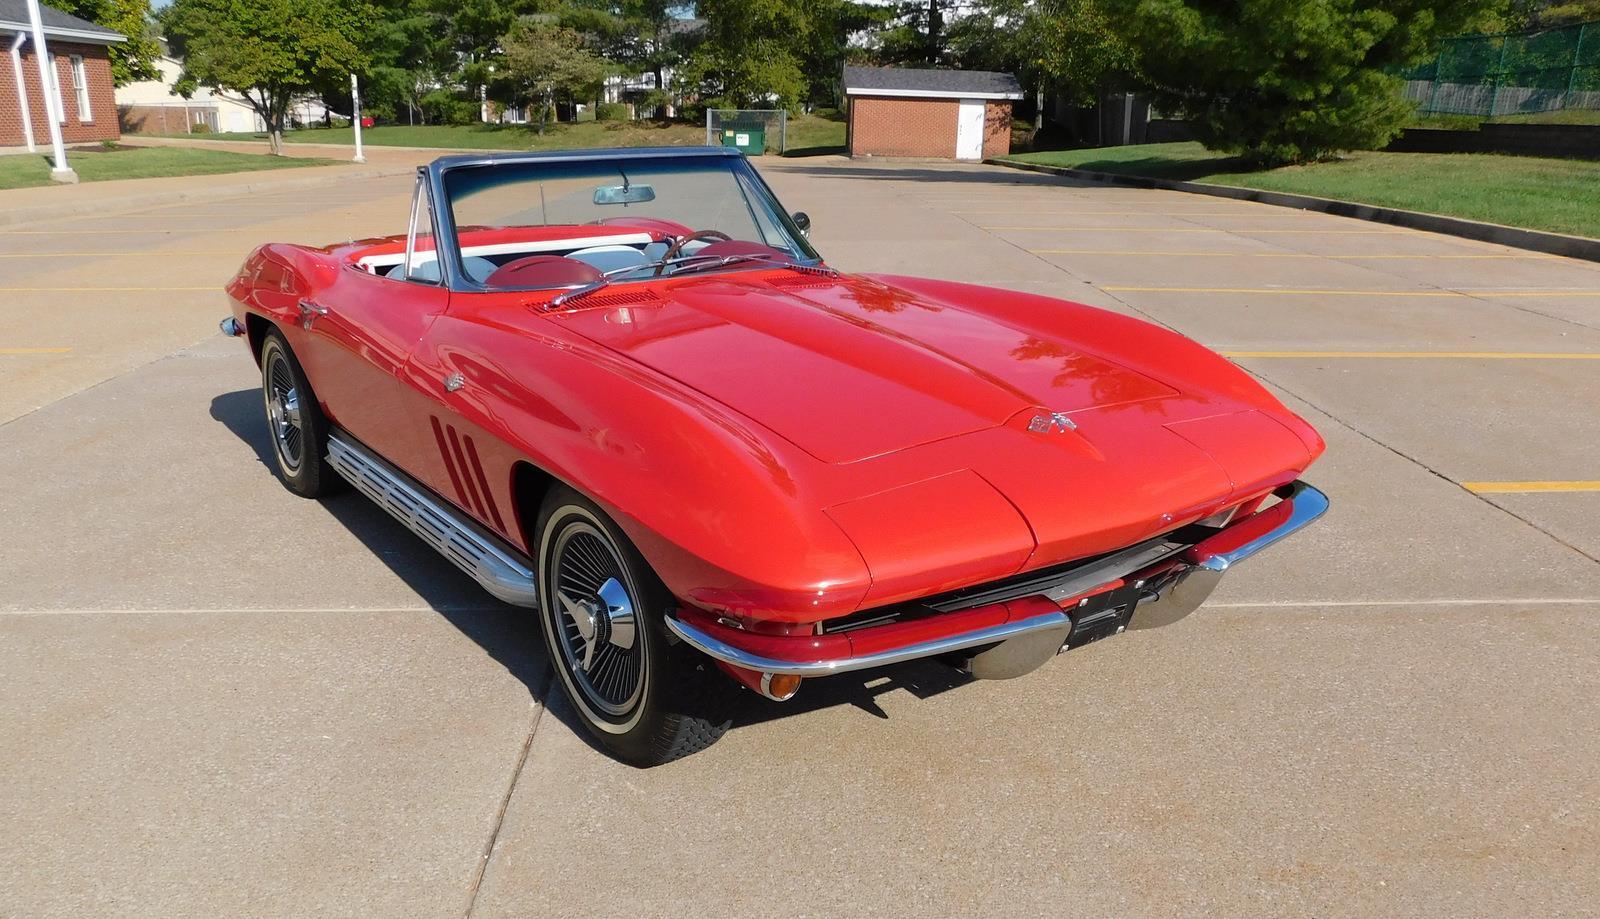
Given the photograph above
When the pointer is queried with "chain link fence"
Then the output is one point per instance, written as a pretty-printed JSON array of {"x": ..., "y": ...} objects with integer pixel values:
[
  {"x": 1526, "y": 72},
  {"x": 754, "y": 131}
]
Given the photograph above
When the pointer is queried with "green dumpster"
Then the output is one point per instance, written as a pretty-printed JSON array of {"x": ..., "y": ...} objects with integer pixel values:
[{"x": 749, "y": 139}]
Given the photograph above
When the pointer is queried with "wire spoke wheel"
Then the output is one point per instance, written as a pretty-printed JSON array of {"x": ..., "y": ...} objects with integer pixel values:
[
  {"x": 594, "y": 621},
  {"x": 283, "y": 412},
  {"x": 601, "y": 606}
]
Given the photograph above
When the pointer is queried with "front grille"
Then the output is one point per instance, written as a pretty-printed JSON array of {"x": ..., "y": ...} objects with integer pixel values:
[{"x": 1058, "y": 582}]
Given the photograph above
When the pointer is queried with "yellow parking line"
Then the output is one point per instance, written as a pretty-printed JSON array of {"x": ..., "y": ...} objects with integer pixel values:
[
  {"x": 1424, "y": 355},
  {"x": 1106, "y": 229},
  {"x": 1326, "y": 292},
  {"x": 34, "y": 350},
  {"x": 1507, "y": 488},
  {"x": 1387, "y": 255}
]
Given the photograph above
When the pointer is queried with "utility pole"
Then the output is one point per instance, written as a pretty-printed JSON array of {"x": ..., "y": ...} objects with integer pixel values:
[
  {"x": 52, "y": 106},
  {"x": 355, "y": 116}
]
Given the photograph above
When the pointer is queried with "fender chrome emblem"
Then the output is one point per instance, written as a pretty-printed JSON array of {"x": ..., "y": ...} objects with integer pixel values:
[{"x": 1055, "y": 422}]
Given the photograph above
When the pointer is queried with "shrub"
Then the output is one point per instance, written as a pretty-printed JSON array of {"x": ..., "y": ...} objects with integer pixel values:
[
  {"x": 200, "y": 127},
  {"x": 1288, "y": 82},
  {"x": 445, "y": 107},
  {"x": 611, "y": 111}
]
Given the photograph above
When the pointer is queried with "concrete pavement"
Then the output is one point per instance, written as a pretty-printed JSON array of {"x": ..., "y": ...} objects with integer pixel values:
[{"x": 224, "y": 700}]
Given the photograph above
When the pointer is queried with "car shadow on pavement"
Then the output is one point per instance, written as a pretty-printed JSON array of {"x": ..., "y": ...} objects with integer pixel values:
[
  {"x": 510, "y": 635},
  {"x": 861, "y": 689}
]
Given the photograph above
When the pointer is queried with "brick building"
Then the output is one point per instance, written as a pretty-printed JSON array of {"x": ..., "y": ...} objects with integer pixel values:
[
  {"x": 81, "y": 74},
  {"x": 944, "y": 114}
]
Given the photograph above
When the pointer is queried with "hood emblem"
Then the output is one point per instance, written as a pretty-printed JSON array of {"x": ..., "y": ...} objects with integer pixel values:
[{"x": 1055, "y": 422}]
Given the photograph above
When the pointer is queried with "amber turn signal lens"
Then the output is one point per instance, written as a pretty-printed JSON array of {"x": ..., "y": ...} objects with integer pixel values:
[{"x": 782, "y": 686}]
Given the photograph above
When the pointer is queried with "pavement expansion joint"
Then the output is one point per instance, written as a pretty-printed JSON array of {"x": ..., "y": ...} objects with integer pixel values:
[
  {"x": 1373, "y": 439},
  {"x": 482, "y": 868}
]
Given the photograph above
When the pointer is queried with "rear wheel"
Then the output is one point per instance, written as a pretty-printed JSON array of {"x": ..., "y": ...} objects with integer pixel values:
[
  {"x": 645, "y": 700},
  {"x": 295, "y": 424}
]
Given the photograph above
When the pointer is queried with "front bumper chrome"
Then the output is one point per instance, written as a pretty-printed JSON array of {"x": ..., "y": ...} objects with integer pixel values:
[
  {"x": 1175, "y": 589},
  {"x": 730, "y": 654}
]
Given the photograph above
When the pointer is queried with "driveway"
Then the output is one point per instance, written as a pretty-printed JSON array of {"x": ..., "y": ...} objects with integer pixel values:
[{"x": 224, "y": 700}]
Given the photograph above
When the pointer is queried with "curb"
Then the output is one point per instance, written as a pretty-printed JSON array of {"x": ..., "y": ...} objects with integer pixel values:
[
  {"x": 1515, "y": 237},
  {"x": 16, "y": 215}
]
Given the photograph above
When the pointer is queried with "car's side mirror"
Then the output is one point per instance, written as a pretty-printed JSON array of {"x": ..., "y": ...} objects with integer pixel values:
[{"x": 803, "y": 221}]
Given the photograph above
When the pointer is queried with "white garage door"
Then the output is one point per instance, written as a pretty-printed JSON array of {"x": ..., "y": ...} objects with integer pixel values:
[{"x": 969, "y": 130}]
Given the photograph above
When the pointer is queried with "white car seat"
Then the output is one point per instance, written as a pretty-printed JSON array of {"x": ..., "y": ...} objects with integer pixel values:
[
  {"x": 478, "y": 269},
  {"x": 611, "y": 258}
]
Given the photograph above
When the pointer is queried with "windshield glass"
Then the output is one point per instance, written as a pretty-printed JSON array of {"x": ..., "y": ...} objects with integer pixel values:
[{"x": 569, "y": 224}]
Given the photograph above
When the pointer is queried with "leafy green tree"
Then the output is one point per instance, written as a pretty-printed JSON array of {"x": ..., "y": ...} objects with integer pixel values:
[
  {"x": 1565, "y": 13},
  {"x": 134, "y": 59},
  {"x": 912, "y": 34},
  {"x": 267, "y": 51},
  {"x": 750, "y": 54},
  {"x": 474, "y": 30},
  {"x": 410, "y": 55},
  {"x": 1283, "y": 81},
  {"x": 649, "y": 27},
  {"x": 546, "y": 63},
  {"x": 827, "y": 45},
  {"x": 1071, "y": 48},
  {"x": 1078, "y": 50}
]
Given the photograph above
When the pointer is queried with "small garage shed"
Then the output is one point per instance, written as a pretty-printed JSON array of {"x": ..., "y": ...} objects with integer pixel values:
[{"x": 947, "y": 114}]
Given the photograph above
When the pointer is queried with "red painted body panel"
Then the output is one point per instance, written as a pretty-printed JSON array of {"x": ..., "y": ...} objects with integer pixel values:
[{"x": 788, "y": 448}]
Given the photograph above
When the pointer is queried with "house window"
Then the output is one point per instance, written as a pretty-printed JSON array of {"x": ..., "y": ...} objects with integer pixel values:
[
  {"x": 80, "y": 86},
  {"x": 55, "y": 88}
]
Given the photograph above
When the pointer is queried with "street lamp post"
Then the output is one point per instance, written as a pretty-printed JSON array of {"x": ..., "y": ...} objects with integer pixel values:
[
  {"x": 355, "y": 116},
  {"x": 52, "y": 106}
]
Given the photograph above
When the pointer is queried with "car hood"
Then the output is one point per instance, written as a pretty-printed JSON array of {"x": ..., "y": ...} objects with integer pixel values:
[{"x": 851, "y": 368}]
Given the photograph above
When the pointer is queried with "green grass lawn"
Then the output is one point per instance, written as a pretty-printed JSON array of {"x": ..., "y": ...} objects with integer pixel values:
[
  {"x": 816, "y": 134},
  {"x": 100, "y": 164},
  {"x": 807, "y": 134},
  {"x": 1523, "y": 191},
  {"x": 1471, "y": 122}
]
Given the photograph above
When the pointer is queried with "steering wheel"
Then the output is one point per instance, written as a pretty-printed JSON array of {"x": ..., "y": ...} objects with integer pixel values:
[{"x": 676, "y": 247}]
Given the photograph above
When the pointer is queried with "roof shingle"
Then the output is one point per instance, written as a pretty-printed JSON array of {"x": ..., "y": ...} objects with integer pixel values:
[
  {"x": 53, "y": 20},
  {"x": 866, "y": 80}
]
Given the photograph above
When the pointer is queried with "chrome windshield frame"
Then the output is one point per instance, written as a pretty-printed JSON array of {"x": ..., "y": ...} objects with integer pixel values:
[{"x": 447, "y": 245}]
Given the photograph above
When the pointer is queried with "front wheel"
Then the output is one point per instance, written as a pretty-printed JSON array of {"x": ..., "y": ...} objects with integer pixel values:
[
  {"x": 646, "y": 701},
  {"x": 294, "y": 422}
]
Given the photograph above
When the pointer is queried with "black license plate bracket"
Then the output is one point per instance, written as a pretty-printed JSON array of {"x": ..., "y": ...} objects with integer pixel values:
[{"x": 1102, "y": 615}]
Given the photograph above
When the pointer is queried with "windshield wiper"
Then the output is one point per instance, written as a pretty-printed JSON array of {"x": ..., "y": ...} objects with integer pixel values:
[
  {"x": 567, "y": 296},
  {"x": 600, "y": 283},
  {"x": 777, "y": 260},
  {"x": 687, "y": 262}
]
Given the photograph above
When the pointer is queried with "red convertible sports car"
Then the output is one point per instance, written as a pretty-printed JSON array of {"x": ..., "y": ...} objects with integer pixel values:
[{"x": 620, "y": 388}]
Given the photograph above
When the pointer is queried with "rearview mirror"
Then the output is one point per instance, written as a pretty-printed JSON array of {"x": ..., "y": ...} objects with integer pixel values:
[
  {"x": 803, "y": 221},
  {"x": 624, "y": 194}
]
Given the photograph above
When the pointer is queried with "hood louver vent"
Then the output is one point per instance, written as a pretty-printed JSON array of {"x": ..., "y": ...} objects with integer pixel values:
[
  {"x": 801, "y": 280},
  {"x": 617, "y": 298}
]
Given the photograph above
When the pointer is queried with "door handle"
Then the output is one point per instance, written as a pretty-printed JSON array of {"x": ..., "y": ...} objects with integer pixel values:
[{"x": 309, "y": 310}]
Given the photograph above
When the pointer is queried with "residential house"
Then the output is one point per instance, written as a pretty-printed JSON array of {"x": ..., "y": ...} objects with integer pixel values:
[{"x": 80, "y": 78}]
